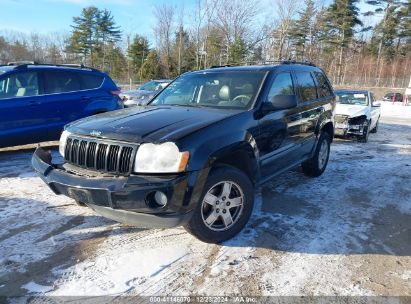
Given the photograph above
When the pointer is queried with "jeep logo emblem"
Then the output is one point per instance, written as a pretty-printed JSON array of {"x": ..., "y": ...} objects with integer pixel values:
[{"x": 95, "y": 133}]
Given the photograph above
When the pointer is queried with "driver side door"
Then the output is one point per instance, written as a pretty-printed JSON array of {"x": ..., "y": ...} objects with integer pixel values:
[{"x": 280, "y": 133}]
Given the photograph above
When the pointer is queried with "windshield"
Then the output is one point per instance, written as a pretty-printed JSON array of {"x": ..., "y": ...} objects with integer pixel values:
[
  {"x": 214, "y": 89},
  {"x": 352, "y": 98},
  {"x": 150, "y": 86}
]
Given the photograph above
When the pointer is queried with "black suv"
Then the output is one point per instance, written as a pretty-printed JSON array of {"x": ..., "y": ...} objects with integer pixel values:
[{"x": 193, "y": 156}]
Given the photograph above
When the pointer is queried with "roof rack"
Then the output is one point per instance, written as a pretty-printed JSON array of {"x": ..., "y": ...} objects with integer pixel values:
[
  {"x": 24, "y": 64},
  {"x": 220, "y": 66},
  {"x": 289, "y": 61},
  {"x": 267, "y": 62}
]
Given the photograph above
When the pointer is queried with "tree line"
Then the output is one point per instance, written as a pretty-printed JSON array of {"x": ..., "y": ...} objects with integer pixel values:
[{"x": 370, "y": 48}]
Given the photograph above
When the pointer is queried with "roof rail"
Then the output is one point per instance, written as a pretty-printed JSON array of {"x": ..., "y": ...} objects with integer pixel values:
[
  {"x": 289, "y": 61},
  {"x": 24, "y": 64},
  {"x": 220, "y": 66},
  {"x": 267, "y": 62}
]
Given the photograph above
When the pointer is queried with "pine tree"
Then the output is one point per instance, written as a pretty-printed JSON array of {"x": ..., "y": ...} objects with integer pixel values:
[
  {"x": 404, "y": 29},
  {"x": 238, "y": 51},
  {"x": 138, "y": 52},
  {"x": 341, "y": 20},
  {"x": 116, "y": 62},
  {"x": 83, "y": 39},
  {"x": 106, "y": 31},
  {"x": 386, "y": 29},
  {"x": 183, "y": 53},
  {"x": 302, "y": 30},
  {"x": 150, "y": 68},
  {"x": 92, "y": 32}
]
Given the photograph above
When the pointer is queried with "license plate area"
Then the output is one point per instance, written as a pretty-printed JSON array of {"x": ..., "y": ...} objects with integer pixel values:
[
  {"x": 341, "y": 125},
  {"x": 79, "y": 195},
  {"x": 96, "y": 197}
]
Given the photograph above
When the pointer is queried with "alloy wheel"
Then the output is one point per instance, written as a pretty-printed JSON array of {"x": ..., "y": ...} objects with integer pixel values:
[{"x": 222, "y": 206}]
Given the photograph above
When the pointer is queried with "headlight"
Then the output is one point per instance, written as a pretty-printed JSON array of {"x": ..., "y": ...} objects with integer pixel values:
[
  {"x": 63, "y": 140},
  {"x": 358, "y": 120},
  {"x": 163, "y": 158}
]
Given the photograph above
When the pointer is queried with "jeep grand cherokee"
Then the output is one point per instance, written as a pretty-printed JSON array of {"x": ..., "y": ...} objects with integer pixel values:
[{"x": 193, "y": 156}]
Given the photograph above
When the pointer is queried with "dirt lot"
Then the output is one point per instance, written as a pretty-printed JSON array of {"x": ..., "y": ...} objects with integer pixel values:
[{"x": 344, "y": 233}]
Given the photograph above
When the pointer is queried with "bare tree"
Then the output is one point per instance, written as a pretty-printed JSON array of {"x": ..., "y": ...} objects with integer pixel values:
[
  {"x": 163, "y": 32},
  {"x": 286, "y": 11},
  {"x": 236, "y": 19}
]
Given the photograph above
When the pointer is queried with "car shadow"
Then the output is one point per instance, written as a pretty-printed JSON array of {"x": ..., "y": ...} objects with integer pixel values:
[
  {"x": 360, "y": 205},
  {"x": 58, "y": 238}
]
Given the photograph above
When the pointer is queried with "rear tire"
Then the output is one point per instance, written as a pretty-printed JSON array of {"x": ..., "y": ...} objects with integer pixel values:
[
  {"x": 225, "y": 206},
  {"x": 316, "y": 165}
]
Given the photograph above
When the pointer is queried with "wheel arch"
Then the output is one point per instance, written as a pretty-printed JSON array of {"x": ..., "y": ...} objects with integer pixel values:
[
  {"x": 329, "y": 128},
  {"x": 241, "y": 156}
]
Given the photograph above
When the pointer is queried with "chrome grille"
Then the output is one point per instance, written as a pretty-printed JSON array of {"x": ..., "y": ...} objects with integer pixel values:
[{"x": 100, "y": 155}]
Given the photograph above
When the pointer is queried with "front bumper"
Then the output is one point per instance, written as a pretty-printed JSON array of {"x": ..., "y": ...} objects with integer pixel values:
[
  {"x": 349, "y": 130},
  {"x": 127, "y": 199}
]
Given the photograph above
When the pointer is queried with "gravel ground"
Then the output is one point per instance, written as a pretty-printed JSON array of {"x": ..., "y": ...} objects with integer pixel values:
[{"x": 344, "y": 233}]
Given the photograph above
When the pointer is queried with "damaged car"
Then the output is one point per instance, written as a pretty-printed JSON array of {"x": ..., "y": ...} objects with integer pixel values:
[
  {"x": 194, "y": 155},
  {"x": 142, "y": 95},
  {"x": 357, "y": 114}
]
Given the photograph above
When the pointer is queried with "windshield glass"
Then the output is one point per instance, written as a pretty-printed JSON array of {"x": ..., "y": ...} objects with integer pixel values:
[
  {"x": 149, "y": 86},
  {"x": 215, "y": 89},
  {"x": 352, "y": 98}
]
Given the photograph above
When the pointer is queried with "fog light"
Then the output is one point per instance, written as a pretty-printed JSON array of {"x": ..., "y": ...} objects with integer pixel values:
[{"x": 160, "y": 198}]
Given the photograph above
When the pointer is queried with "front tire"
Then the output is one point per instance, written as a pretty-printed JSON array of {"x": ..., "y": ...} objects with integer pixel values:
[
  {"x": 366, "y": 132},
  {"x": 225, "y": 206},
  {"x": 375, "y": 130},
  {"x": 316, "y": 165}
]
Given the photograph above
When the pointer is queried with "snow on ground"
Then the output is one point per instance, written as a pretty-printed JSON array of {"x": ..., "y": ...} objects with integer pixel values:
[{"x": 344, "y": 233}]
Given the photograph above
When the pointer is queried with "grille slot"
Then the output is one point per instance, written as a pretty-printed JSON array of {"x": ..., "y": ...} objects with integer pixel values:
[{"x": 99, "y": 155}]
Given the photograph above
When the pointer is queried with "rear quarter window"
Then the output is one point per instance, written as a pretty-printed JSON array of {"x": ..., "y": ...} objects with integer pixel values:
[
  {"x": 89, "y": 81},
  {"x": 61, "y": 82}
]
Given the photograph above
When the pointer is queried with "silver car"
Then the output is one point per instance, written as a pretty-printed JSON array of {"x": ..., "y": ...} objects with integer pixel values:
[{"x": 143, "y": 94}]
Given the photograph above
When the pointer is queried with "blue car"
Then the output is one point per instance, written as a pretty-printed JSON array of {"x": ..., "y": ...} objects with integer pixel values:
[{"x": 37, "y": 100}]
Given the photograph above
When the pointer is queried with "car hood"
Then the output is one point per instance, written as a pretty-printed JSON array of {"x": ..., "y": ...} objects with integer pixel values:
[
  {"x": 148, "y": 124},
  {"x": 138, "y": 94},
  {"x": 350, "y": 110}
]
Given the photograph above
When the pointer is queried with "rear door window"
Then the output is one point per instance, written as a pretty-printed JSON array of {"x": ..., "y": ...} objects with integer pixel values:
[
  {"x": 282, "y": 85},
  {"x": 89, "y": 82},
  {"x": 324, "y": 89},
  {"x": 61, "y": 82},
  {"x": 306, "y": 86},
  {"x": 19, "y": 85}
]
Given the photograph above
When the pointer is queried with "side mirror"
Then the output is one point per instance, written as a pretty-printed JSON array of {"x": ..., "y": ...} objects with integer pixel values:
[
  {"x": 376, "y": 104},
  {"x": 280, "y": 102}
]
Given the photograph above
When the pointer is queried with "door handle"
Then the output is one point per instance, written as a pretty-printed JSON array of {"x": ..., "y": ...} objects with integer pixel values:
[{"x": 85, "y": 98}]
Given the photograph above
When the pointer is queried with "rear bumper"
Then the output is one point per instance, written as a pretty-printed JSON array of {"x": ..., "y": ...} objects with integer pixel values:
[{"x": 125, "y": 199}]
